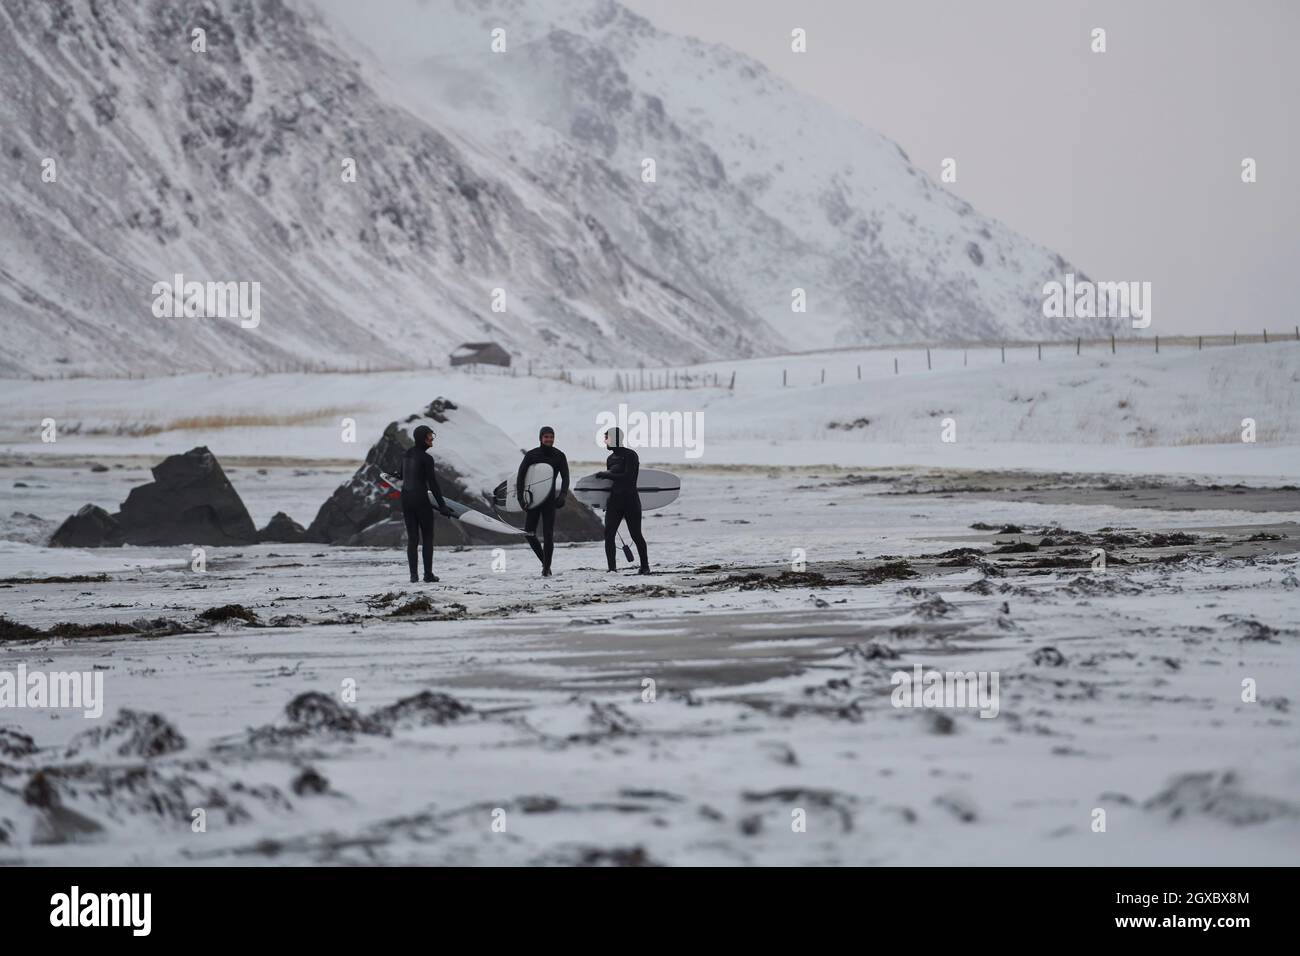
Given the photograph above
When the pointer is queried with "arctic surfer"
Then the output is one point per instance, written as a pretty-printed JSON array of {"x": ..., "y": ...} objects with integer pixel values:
[
  {"x": 545, "y": 453},
  {"x": 418, "y": 481},
  {"x": 624, "y": 503}
]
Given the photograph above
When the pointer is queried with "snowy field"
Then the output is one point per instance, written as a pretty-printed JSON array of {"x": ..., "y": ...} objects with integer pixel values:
[
  {"x": 1178, "y": 412},
  {"x": 502, "y": 719}
]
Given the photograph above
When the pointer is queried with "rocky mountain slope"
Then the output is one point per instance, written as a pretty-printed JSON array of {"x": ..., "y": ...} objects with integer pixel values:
[{"x": 475, "y": 171}]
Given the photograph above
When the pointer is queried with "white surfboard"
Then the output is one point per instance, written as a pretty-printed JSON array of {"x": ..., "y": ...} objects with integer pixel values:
[
  {"x": 463, "y": 513},
  {"x": 655, "y": 488},
  {"x": 540, "y": 483}
]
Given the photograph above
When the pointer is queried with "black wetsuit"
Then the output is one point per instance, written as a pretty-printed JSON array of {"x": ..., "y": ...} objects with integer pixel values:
[
  {"x": 545, "y": 513},
  {"x": 418, "y": 479},
  {"x": 622, "y": 467}
]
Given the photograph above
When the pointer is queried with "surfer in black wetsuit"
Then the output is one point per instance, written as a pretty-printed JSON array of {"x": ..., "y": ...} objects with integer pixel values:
[
  {"x": 418, "y": 479},
  {"x": 624, "y": 504},
  {"x": 545, "y": 453}
]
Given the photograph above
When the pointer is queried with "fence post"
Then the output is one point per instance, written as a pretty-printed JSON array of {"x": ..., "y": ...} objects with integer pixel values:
[
  {"x": 823, "y": 376},
  {"x": 1234, "y": 338},
  {"x": 1004, "y": 355},
  {"x": 1266, "y": 336},
  {"x": 927, "y": 358},
  {"x": 1198, "y": 342},
  {"x": 963, "y": 357},
  {"x": 1112, "y": 343},
  {"x": 1297, "y": 335},
  {"x": 1157, "y": 345},
  {"x": 1078, "y": 344},
  {"x": 733, "y": 380},
  {"x": 783, "y": 373},
  {"x": 1040, "y": 351},
  {"x": 895, "y": 364}
]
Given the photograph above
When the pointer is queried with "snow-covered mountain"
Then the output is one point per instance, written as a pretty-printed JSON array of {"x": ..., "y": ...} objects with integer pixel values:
[{"x": 475, "y": 171}]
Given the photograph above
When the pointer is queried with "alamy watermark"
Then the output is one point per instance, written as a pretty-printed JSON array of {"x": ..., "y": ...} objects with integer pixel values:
[
  {"x": 1086, "y": 299},
  {"x": 55, "y": 690},
  {"x": 655, "y": 429},
  {"x": 946, "y": 689},
  {"x": 210, "y": 300},
  {"x": 75, "y": 908}
]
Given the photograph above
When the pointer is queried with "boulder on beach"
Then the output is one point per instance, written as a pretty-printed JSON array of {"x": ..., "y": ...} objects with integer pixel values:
[
  {"x": 471, "y": 456},
  {"x": 389, "y": 533},
  {"x": 91, "y": 527},
  {"x": 190, "y": 501},
  {"x": 282, "y": 529}
]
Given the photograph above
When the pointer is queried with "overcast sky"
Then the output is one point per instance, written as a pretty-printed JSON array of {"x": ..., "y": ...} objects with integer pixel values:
[{"x": 1126, "y": 162}]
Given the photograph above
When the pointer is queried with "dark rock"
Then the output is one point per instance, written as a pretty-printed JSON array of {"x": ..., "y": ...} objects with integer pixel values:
[
  {"x": 389, "y": 533},
  {"x": 91, "y": 527},
  {"x": 97, "y": 467},
  {"x": 190, "y": 501},
  {"x": 283, "y": 530}
]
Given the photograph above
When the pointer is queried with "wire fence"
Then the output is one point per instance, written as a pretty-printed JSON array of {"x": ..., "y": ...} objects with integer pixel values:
[{"x": 689, "y": 377}]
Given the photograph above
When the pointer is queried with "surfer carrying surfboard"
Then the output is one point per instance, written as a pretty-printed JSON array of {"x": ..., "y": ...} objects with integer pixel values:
[
  {"x": 544, "y": 454},
  {"x": 621, "y": 468},
  {"x": 418, "y": 482}
]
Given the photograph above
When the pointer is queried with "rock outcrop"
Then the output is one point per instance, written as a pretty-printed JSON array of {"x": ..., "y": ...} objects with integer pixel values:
[
  {"x": 470, "y": 457},
  {"x": 282, "y": 529},
  {"x": 91, "y": 527},
  {"x": 190, "y": 501}
]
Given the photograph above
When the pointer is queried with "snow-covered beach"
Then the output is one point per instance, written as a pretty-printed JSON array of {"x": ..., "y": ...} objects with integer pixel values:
[{"x": 325, "y": 710}]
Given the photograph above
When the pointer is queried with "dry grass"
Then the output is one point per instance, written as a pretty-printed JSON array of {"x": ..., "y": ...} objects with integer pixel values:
[
  {"x": 1263, "y": 436},
  {"x": 218, "y": 421}
]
